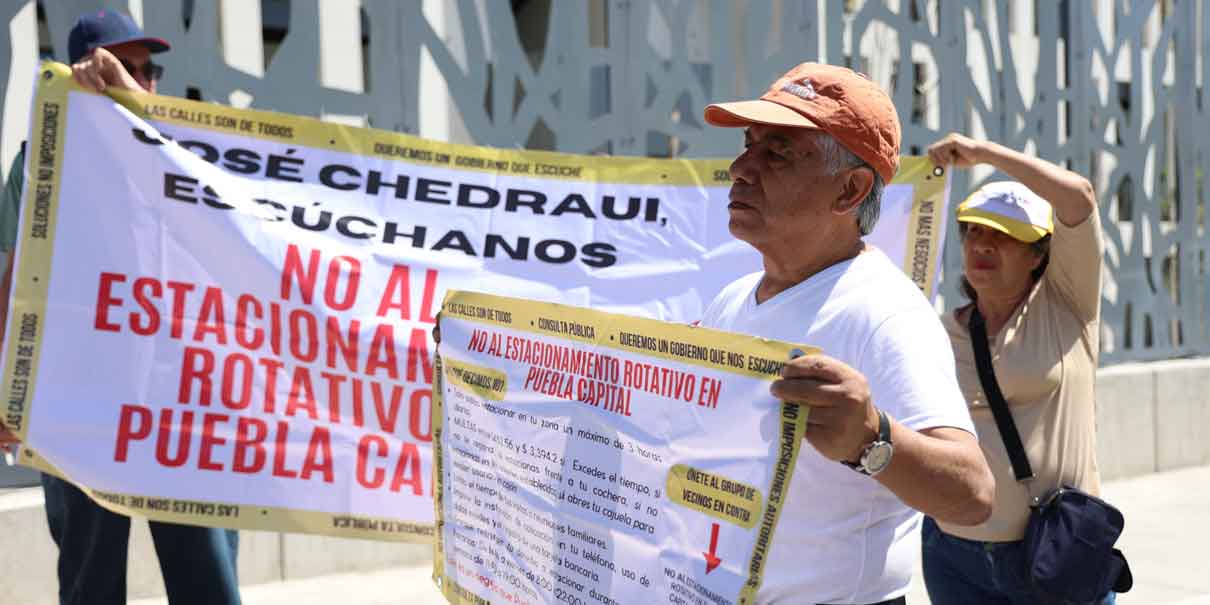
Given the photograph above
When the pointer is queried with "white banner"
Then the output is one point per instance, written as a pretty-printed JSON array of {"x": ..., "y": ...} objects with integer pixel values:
[{"x": 222, "y": 316}]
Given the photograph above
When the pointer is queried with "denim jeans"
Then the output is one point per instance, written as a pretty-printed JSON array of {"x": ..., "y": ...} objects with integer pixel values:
[
  {"x": 198, "y": 563},
  {"x": 959, "y": 571}
]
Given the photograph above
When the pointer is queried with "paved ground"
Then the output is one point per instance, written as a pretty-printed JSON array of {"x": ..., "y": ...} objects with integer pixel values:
[
  {"x": 16, "y": 476},
  {"x": 399, "y": 586},
  {"x": 1166, "y": 538}
]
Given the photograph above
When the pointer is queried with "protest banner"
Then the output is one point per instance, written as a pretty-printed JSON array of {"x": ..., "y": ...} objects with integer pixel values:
[
  {"x": 585, "y": 457},
  {"x": 221, "y": 316}
]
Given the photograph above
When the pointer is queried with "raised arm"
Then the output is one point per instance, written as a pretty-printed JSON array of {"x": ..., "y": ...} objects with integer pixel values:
[{"x": 1072, "y": 196}]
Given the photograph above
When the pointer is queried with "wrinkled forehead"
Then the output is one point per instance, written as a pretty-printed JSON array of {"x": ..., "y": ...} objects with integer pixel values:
[{"x": 787, "y": 136}]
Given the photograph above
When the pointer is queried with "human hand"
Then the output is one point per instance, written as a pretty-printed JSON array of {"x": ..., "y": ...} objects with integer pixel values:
[
  {"x": 437, "y": 329},
  {"x": 100, "y": 69},
  {"x": 843, "y": 419},
  {"x": 955, "y": 149}
]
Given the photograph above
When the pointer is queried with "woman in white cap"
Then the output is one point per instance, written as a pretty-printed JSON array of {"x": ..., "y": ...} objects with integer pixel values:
[{"x": 1031, "y": 267}]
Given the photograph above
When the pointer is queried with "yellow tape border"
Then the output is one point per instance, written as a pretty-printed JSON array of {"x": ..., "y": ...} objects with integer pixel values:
[
  {"x": 247, "y": 516},
  {"x": 793, "y": 420},
  {"x": 528, "y": 315},
  {"x": 305, "y": 131},
  {"x": 31, "y": 269},
  {"x": 414, "y": 150},
  {"x": 928, "y": 214}
]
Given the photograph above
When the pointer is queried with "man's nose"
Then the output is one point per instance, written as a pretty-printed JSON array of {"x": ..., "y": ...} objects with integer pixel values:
[{"x": 741, "y": 167}]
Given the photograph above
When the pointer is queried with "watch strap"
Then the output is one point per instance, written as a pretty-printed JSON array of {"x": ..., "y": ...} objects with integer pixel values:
[
  {"x": 884, "y": 436},
  {"x": 884, "y": 427}
]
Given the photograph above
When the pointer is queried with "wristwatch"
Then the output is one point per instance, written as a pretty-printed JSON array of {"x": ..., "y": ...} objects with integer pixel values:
[{"x": 876, "y": 456}]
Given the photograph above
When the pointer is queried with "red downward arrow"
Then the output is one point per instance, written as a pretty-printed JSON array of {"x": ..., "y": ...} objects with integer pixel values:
[{"x": 712, "y": 561}]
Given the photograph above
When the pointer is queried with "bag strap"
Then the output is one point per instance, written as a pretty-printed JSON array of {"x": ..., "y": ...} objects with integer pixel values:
[{"x": 995, "y": 399}]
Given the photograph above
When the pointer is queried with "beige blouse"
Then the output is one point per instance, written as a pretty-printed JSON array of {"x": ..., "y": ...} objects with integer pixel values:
[{"x": 1045, "y": 358}]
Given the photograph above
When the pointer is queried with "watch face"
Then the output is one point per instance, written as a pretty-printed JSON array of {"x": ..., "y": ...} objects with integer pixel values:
[{"x": 877, "y": 457}]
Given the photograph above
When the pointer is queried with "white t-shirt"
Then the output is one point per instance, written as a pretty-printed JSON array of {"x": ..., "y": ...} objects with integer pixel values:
[{"x": 843, "y": 537}]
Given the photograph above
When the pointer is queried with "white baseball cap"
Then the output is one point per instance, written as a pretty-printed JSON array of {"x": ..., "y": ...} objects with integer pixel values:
[{"x": 1009, "y": 207}]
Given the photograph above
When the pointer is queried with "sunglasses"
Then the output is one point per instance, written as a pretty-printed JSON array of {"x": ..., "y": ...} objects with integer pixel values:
[{"x": 151, "y": 71}]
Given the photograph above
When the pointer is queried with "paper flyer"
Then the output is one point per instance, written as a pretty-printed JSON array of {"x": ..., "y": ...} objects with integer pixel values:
[{"x": 586, "y": 457}]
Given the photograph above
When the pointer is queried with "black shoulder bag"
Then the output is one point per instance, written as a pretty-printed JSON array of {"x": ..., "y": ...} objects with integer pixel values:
[{"x": 1069, "y": 553}]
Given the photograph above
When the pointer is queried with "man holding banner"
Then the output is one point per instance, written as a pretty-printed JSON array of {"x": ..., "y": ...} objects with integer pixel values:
[
  {"x": 819, "y": 145},
  {"x": 108, "y": 50}
]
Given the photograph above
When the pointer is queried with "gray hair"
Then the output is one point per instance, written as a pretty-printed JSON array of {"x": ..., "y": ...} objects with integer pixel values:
[{"x": 837, "y": 158}]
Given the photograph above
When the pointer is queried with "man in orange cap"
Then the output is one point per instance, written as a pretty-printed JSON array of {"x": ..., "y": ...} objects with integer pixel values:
[{"x": 883, "y": 400}]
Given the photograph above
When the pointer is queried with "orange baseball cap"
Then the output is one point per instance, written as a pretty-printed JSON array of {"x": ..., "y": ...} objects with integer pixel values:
[{"x": 837, "y": 100}]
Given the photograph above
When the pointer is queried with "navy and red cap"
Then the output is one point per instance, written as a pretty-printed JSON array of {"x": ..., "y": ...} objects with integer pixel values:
[{"x": 106, "y": 28}]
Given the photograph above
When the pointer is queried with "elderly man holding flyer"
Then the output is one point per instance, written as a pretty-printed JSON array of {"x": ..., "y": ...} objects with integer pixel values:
[{"x": 889, "y": 430}]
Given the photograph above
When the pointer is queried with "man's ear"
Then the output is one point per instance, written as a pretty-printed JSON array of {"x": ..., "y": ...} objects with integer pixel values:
[{"x": 858, "y": 182}]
